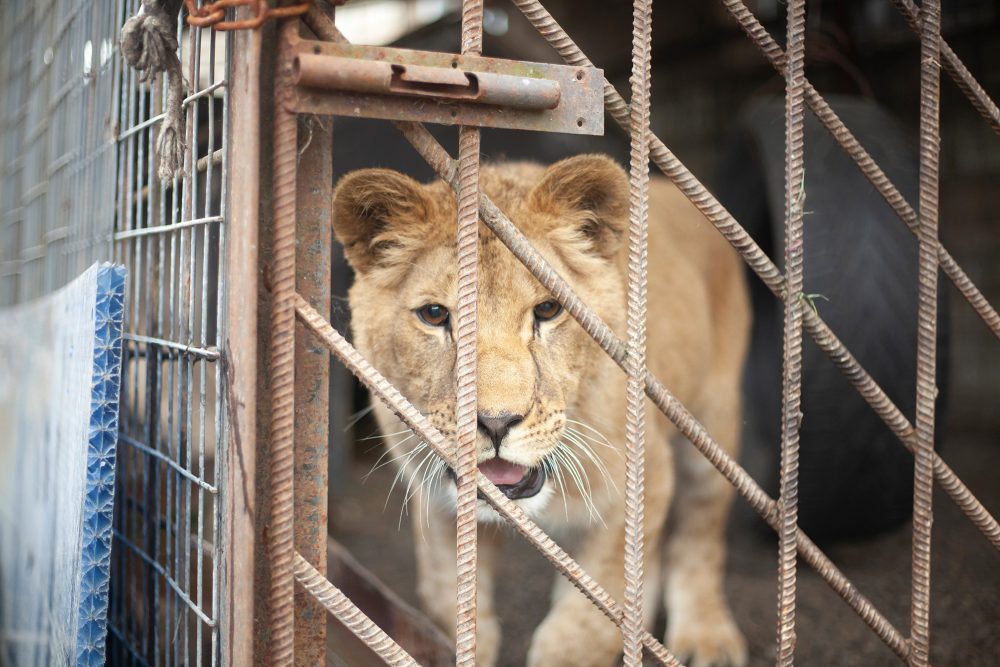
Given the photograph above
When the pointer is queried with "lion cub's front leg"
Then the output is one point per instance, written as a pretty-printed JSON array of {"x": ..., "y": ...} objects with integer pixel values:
[{"x": 434, "y": 538}]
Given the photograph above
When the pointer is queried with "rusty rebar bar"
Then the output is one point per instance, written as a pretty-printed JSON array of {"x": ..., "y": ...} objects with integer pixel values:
[
  {"x": 959, "y": 73},
  {"x": 465, "y": 364},
  {"x": 347, "y": 613},
  {"x": 766, "y": 270},
  {"x": 923, "y": 474},
  {"x": 635, "y": 363},
  {"x": 878, "y": 178},
  {"x": 382, "y": 389},
  {"x": 280, "y": 536},
  {"x": 791, "y": 408}
]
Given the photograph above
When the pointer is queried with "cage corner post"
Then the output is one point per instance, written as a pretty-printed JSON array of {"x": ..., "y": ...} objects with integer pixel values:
[
  {"x": 296, "y": 262},
  {"x": 240, "y": 537},
  {"x": 313, "y": 265}
]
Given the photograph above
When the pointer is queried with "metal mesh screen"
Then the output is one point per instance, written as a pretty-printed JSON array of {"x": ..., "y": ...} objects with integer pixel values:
[
  {"x": 78, "y": 185},
  {"x": 165, "y": 572},
  {"x": 59, "y": 77}
]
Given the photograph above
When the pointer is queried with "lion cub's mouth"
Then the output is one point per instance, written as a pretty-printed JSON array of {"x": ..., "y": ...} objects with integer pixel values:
[{"x": 515, "y": 481}]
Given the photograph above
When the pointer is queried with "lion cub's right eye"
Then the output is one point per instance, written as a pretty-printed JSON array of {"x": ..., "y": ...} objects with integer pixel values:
[{"x": 434, "y": 314}]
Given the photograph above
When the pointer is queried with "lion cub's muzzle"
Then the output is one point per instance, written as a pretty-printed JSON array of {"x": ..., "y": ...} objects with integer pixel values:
[{"x": 515, "y": 480}]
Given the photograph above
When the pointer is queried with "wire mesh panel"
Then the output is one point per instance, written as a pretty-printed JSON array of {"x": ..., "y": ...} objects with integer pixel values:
[
  {"x": 58, "y": 76},
  {"x": 165, "y": 572}
]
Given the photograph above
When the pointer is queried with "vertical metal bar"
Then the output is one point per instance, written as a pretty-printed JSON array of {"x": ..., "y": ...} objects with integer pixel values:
[
  {"x": 923, "y": 480},
  {"x": 120, "y": 578},
  {"x": 791, "y": 408},
  {"x": 282, "y": 372},
  {"x": 635, "y": 421},
  {"x": 960, "y": 74},
  {"x": 312, "y": 377},
  {"x": 465, "y": 366},
  {"x": 236, "y": 460},
  {"x": 154, "y": 367},
  {"x": 133, "y": 565},
  {"x": 187, "y": 319},
  {"x": 204, "y": 367}
]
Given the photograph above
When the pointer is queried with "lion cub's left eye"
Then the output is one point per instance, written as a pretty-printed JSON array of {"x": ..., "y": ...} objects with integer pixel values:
[
  {"x": 433, "y": 314},
  {"x": 547, "y": 310}
]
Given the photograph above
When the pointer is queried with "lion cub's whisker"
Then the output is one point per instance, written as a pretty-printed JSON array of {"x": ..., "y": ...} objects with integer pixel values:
[
  {"x": 379, "y": 464},
  {"x": 569, "y": 461},
  {"x": 577, "y": 439},
  {"x": 553, "y": 471},
  {"x": 357, "y": 416},
  {"x": 380, "y": 436},
  {"x": 409, "y": 493},
  {"x": 408, "y": 457},
  {"x": 440, "y": 472},
  {"x": 601, "y": 439}
]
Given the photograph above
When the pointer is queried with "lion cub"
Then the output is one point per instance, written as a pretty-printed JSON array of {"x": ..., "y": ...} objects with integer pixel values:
[{"x": 551, "y": 403}]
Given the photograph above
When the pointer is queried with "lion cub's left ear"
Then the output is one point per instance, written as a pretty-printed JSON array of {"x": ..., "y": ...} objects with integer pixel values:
[
  {"x": 380, "y": 216},
  {"x": 588, "y": 196}
]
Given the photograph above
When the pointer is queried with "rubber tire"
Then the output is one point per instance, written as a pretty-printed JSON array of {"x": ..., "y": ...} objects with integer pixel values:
[{"x": 855, "y": 476}]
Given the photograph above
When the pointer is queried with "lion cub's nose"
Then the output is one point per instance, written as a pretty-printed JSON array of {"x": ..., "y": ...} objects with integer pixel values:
[{"x": 496, "y": 426}]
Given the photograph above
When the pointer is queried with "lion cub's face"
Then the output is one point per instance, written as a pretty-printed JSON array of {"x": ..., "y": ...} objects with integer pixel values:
[{"x": 535, "y": 363}]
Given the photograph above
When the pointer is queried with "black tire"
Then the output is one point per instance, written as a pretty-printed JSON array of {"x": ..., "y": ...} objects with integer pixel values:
[{"x": 856, "y": 478}]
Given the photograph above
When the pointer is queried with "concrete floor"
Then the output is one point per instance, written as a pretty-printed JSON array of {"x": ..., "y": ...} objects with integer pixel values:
[{"x": 966, "y": 575}]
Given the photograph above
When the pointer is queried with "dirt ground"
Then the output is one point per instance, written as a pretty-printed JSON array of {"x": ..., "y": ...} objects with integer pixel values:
[{"x": 966, "y": 574}]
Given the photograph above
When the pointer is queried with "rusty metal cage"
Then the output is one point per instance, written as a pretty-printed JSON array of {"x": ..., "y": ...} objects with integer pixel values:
[
  {"x": 286, "y": 565},
  {"x": 219, "y": 462}
]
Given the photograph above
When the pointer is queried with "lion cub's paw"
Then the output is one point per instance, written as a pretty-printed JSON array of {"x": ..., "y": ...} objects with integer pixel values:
[{"x": 718, "y": 644}]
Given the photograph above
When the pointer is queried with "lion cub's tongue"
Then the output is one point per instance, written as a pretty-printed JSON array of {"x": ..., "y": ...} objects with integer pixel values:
[{"x": 499, "y": 471}]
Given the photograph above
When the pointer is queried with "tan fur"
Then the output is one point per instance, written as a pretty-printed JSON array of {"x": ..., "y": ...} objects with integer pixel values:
[{"x": 400, "y": 238}]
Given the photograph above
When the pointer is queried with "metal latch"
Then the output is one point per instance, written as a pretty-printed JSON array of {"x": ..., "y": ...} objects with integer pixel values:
[
  {"x": 426, "y": 86},
  {"x": 448, "y": 83}
]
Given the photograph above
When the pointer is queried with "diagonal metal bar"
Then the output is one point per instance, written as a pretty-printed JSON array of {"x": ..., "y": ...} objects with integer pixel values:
[
  {"x": 385, "y": 392},
  {"x": 766, "y": 270},
  {"x": 635, "y": 363},
  {"x": 878, "y": 178},
  {"x": 347, "y": 613},
  {"x": 466, "y": 424},
  {"x": 791, "y": 376},
  {"x": 923, "y": 484},
  {"x": 959, "y": 73}
]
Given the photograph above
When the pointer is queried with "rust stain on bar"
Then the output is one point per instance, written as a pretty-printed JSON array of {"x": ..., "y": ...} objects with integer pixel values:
[{"x": 313, "y": 241}]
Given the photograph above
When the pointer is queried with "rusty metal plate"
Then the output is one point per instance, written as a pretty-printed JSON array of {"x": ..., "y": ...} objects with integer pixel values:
[{"x": 579, "y": 100}]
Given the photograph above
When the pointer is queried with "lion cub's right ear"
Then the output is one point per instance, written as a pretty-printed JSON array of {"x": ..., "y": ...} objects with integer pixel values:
[{"x": 378, "y": 216}]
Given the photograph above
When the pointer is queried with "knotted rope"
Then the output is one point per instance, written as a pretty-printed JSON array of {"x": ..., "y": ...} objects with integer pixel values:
[{"x": 149, "y": 44}]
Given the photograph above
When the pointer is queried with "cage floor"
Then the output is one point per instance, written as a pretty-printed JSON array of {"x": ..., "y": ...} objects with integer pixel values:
[{"x": 966, "y": 574}]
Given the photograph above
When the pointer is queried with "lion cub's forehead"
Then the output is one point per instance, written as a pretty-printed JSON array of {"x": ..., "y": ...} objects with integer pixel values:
[{"x": 503, "y": 281}]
